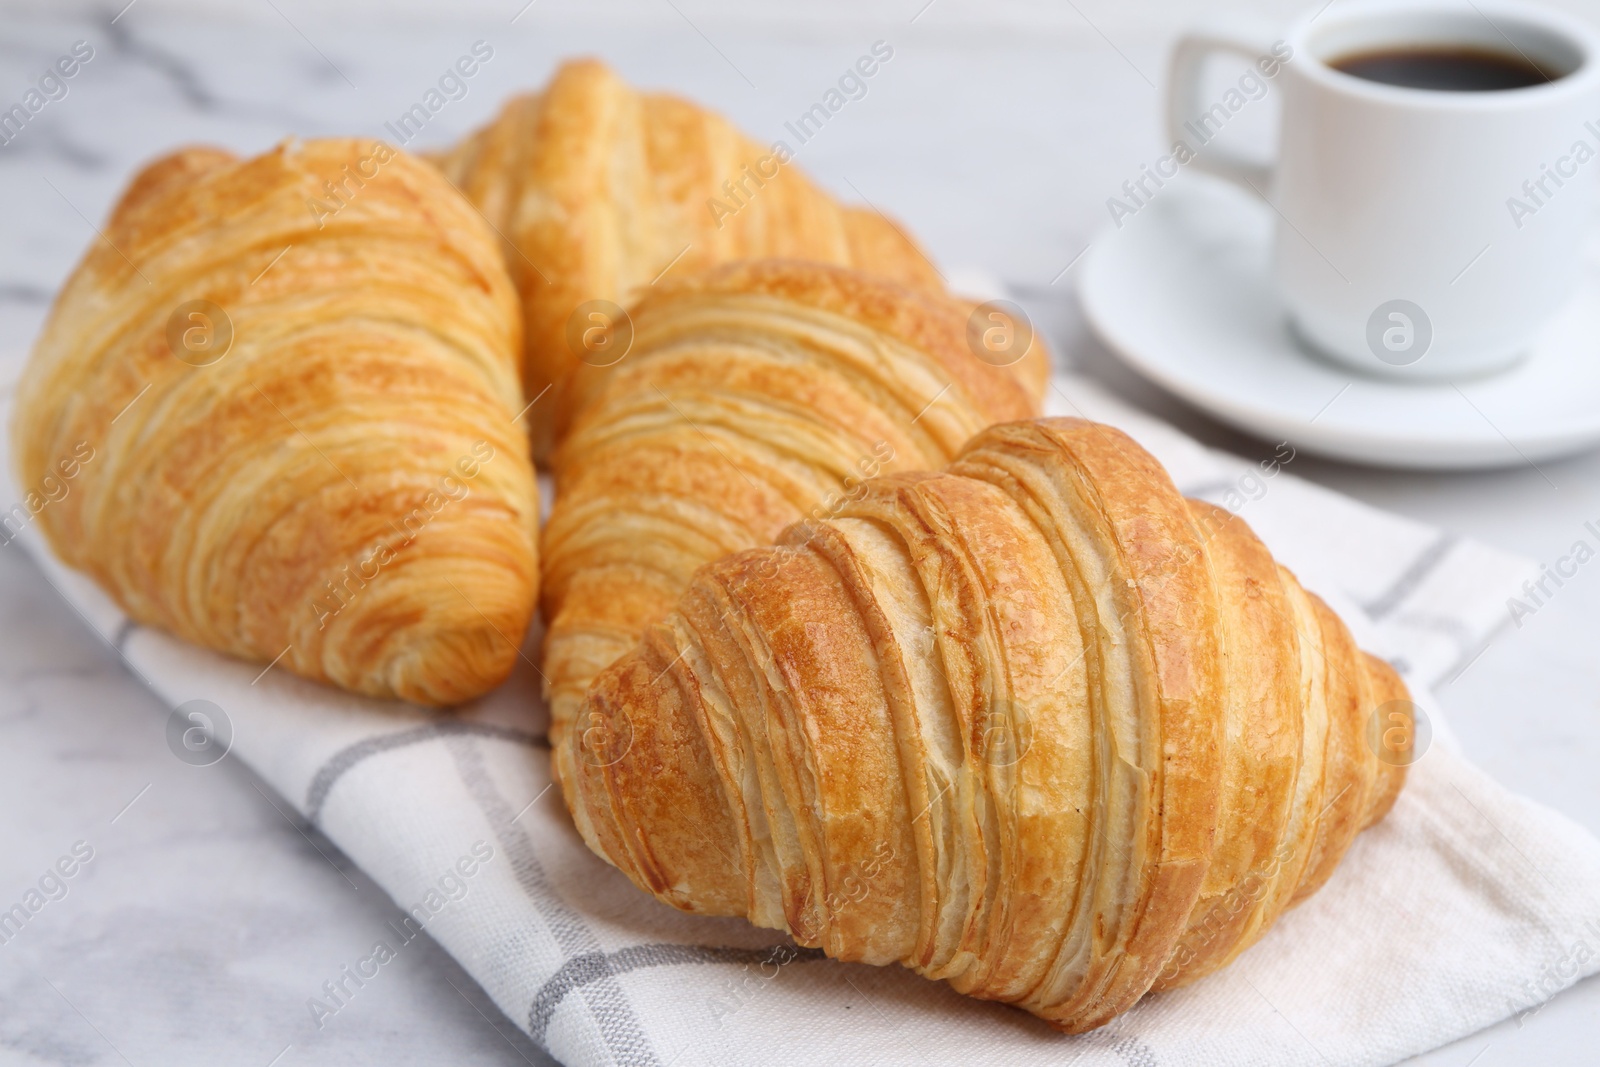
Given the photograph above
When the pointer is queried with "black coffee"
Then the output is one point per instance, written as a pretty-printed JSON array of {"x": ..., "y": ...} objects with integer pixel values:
[{"x": 1464, "y": 70}]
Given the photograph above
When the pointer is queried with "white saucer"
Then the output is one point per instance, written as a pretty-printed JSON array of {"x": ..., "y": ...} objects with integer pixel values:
[{"x": 1184, "y": 293}]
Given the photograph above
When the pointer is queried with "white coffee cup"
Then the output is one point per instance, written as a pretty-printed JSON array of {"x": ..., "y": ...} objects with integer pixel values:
[{"x": 1421, "y": 233}]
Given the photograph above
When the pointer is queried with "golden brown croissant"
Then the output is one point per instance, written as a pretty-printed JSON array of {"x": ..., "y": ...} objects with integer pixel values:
[
  {"x": 600, "y": 190},
  {"x": 1034, "y": 725},
  {"x": 295, "y": 380},
  {"x": 752, "y": 396}
]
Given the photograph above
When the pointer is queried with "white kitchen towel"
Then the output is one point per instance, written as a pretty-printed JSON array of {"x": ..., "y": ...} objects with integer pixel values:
[{"x": 1465, "y": 905}]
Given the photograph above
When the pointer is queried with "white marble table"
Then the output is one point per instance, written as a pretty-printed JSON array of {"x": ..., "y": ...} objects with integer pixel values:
[{"x": 207, "y": 917}]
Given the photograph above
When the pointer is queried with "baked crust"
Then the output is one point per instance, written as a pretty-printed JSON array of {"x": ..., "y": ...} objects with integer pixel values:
[
  {"x": 753, "y": 395},
  {"x": 1033, "y": 724},
  {"x": 600, "y": 190},
  {"x": 304, "y": 494}
]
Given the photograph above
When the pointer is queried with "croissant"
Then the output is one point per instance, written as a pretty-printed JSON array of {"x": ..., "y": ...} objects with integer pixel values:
[
  {"x": 600, "y": 190},
  {"x": 752, "y": 396},
  {"x": 1034, "y": 725},
  {"x": 274, "y": 412}
]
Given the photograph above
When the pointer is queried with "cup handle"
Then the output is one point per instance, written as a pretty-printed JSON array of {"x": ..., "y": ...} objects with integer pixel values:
[{"x": 1183, "y": 105}]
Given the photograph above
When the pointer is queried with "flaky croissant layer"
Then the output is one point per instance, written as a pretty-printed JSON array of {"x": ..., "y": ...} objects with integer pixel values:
[
  {"x": 601, "y": 191},
  {"x": 297, "y": 377},
  {"x": 753, "y": 395},
  {"x": 1035, "y": 725}
]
